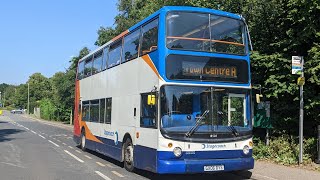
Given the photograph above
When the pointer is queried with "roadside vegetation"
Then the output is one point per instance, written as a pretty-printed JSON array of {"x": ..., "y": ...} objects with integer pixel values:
[{"x": 279, "y": 30}]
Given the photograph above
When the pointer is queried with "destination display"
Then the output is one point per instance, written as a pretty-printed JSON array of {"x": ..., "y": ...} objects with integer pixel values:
[
  {"x": 182, "y": 67},
  {"x": 200, "y": 69}
]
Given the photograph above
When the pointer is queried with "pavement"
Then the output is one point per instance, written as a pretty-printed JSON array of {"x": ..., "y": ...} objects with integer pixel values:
[{"x": 36, "y": 149}]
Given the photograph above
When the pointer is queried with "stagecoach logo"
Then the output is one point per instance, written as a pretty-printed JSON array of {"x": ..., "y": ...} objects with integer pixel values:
[
  {"x": 213, "y": 146},
  {"x": 112, "y": 134}
]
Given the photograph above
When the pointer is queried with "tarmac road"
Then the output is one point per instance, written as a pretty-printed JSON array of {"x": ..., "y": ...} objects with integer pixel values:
[{"x": 35, "y": 149}]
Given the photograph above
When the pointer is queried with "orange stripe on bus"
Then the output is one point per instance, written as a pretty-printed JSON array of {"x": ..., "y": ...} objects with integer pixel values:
[
  {"x": 77, "y": 111},
  {"x": 120, "y": 35},
  {"x": 147, "y": 59},
  {"x": 89, "y": 135},
  {"x": 200, "y": 39}
]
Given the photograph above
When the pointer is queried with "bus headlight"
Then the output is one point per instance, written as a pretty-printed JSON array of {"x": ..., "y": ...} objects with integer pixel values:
[
  {"x": 246, "y": 150},
  {"x": 177, "y": 151}
]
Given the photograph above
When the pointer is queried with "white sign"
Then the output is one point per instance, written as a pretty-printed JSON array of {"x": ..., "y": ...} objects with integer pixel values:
[{"x": 297, "y": 65}]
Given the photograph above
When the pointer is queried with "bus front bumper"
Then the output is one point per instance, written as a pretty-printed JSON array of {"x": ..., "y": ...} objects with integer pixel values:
[{"x": 198, "y": 165}]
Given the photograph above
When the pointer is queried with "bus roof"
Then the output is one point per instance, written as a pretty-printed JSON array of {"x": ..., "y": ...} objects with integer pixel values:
[{"x": 164, "y": 10}]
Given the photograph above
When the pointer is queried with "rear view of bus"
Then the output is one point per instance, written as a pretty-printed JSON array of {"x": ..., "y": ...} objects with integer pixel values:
[
  {"x": 172, "y": 94},
  {"x": 205, "y": 101}
]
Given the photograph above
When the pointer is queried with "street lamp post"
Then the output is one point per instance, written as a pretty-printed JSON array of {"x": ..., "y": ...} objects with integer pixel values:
[{"x": 28, "y": 98}]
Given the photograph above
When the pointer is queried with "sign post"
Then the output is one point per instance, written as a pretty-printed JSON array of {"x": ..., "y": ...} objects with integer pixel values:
[{"x": 297, "y": 68}]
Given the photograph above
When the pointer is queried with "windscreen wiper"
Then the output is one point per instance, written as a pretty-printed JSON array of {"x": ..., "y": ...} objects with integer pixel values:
[
  {"x": 198, "y": 122},
  {"x": 233, "y": 130}
]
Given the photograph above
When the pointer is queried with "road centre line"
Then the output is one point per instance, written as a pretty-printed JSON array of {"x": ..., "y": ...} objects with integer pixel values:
[
  {"x": 33, "y": 132},
  {"x": 100, "y": 164},
  {"x": 41, "y": 136},
  {"x": 88, "y": 157},
  {"x": 72, "y": 155},
  {"x": 54, "y": 143},
  {"x": 70, "y": 147},
  {"x": 26, "y": 128},
  {"x": 116, "y": 173},
  {"x": 58, "y": 140},
  {"x": 102, "y": 175},
  {"x": 64, "y": 143}
]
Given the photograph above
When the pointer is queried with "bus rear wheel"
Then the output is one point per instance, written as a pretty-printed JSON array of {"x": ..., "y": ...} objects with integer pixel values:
[
  {"x": 83, "y": 141},
  {"x": 128, "y": 155}
]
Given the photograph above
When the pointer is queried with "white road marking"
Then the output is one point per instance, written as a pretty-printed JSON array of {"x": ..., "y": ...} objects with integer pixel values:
[
  {"x": 78, "y": 151},
  {"x": 41, "y": 136},
  {"x": 54, "y": 143},
  {"x": 259, "y": 175},
  {"x": 26, "y": 128},
  {"x": 88, "y": 157},
  {"x": 64, "y": 143},
  {"x": 100, "y": 164},
  {"x": 58, "y": 140},
  {"x": 70, "y": 147},
  {"x": 78, "y": 159},
  {"x": 33, "y": 132},
  {"x": 12, "y": 164},
  {"x": 102, "y": 175},
  {"x": 116, "y": 173}
]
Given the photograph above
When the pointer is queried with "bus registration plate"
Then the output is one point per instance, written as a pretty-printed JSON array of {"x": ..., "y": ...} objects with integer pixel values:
[{"x": 214, "y": 168}]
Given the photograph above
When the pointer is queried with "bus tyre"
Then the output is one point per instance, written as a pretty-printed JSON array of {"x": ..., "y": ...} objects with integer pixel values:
[
  {"x": 128, "y": 155},
  {"x": 83, "y": 141}
]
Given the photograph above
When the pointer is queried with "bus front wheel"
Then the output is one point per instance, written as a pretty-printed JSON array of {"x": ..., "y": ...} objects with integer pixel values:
[
  {"x": 128, "y": 155},
  {"x": 83, "y": 141}
]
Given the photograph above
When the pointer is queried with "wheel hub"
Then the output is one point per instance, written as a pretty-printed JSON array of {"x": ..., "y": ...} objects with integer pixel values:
[{"x": 129, "y": 154}]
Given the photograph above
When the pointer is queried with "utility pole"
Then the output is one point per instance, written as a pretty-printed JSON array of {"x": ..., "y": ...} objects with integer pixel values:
[{"x": 28, "y": 98}]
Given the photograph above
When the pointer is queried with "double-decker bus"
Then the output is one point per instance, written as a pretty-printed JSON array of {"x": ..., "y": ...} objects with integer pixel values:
[{"x": 172, "y": 94}]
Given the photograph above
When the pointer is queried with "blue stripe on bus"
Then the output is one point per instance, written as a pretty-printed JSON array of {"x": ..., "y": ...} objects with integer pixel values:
[
  {"x": 110, "y": 148},
  {"x": 197, "y": 166},
  {"x": 223, "y": 154},
  {"x": 154, "y": 56},
  {"x": 145, "y": 158}
]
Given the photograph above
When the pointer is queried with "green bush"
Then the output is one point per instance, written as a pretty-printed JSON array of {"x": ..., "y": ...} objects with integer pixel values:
[
  {"x": 285, "y": 150},
  {"x": 47, "y": 109}
]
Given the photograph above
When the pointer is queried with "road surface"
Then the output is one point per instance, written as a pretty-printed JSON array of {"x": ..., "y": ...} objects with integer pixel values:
[{"x": 30, "y": 149}]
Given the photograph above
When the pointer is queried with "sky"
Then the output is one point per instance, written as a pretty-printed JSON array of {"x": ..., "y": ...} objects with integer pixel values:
[{"x": 43, "y": 35}]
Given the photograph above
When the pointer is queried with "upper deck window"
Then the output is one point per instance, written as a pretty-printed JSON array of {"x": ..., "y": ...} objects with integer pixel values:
[
  {"x": 97, "y": 63},
  {"x": 88, "y": 67},
  {"x": 131, "y": 46},
  {"x": 115, "y": 54},
  {"x": 81, "y": 70},
  {"x": 205, "y": 32},
  {"x": 149, "y": 40}
]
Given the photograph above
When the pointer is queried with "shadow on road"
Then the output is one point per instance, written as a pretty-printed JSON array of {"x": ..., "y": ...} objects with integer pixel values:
[
  {"x": 5, "y": 133},
  {"x": 218, "y": 175}
]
